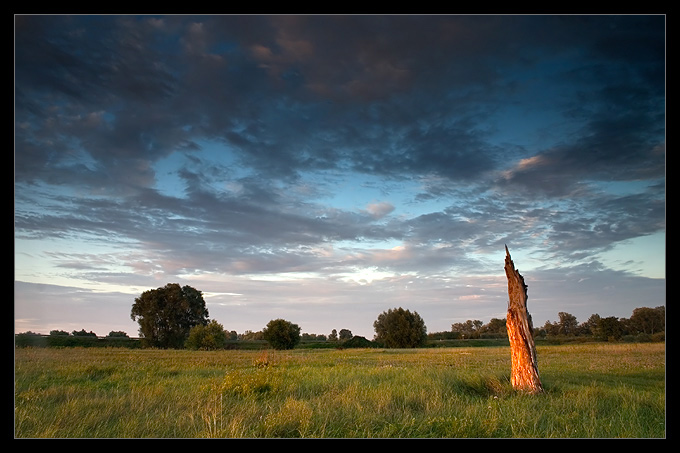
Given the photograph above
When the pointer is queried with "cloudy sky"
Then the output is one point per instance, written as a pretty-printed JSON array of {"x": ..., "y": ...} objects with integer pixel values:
[{"x": 323, "y": 169}]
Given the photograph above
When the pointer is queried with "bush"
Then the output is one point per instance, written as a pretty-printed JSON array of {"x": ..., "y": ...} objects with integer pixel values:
[
  {"x": 209, "y": 337},
  {"x": 65, "y": 341},
  {"x": 59, "y": 332},
  {"x": 29, "y": 338},
  {"x": 281, "y": 334},
  {"x": 399, "y": 328},
  {"x": 83, "y": 333},
  {"x": 358, "y": 342},
  {"x": 659, "y": 336},
  {"x": 117, "y": 334}
]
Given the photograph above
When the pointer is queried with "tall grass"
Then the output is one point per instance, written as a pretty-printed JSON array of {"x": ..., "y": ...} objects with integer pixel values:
[{"x": 593, "y": 390}]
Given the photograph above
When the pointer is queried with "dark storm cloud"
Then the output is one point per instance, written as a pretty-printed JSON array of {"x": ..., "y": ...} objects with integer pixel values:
[
  {"x": 614, "y": 145},
  {"x": 85, "y": 87},
  {"x": 152, "y": 87},
  {"x": 280, "y": 89},
  {"x": 617, "y": 106}
]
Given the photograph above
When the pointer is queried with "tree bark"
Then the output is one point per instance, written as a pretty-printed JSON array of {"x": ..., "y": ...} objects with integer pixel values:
[{"x": 524, "y": 372}]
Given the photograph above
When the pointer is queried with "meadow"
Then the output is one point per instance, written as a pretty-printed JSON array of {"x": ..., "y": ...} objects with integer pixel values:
[{"x": 592, "y": 390}]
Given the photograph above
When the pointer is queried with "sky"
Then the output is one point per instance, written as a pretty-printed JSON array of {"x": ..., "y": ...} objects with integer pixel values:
[{"x": 325, "y": 168}]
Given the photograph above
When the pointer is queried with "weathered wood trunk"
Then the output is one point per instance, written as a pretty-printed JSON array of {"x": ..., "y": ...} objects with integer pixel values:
[{"x": 520, "y": 333}]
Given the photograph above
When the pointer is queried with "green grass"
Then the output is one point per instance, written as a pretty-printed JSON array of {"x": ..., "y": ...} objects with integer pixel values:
[{"x": 591, "y": 390}]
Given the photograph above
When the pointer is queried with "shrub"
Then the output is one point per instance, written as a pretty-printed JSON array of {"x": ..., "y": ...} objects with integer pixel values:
[
  {"x": 209, "y": 337},
  {"x": 400, "y": 328},
  {"x": 29, "y": 338},
  {"x": 281, "y": 334},
  {"x": 358, "y": 342}
]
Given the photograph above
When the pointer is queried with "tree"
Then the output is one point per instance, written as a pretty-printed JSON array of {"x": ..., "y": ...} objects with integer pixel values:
[
  {"x": 59, "y": 332},
  {"x": 281, "y": 334},
  {"x": 313, "y": 337},
  {"x": 207, "y": 337},
  {"x": 496, "y": 326},
  {"x": 117, "y": 334},
  {"x": 589, "y": 327},
  {"x": 648, "y": 320},
  {"x": 399, "y": 328},
  {"x": 358, "y": 342},
  {"x": 467, "y": 329},
  {"x": 167, "y": 314},
  {"x": 551, "y": 328},
  {"x": 609, "y": 328},
  {"x": 568, "y": 323},
  {"x": 249, "y": 335},
  {"x": 83, "y": 333},
  {"x": 524, "y": 365},
  {"x": 345, "y": 334}
]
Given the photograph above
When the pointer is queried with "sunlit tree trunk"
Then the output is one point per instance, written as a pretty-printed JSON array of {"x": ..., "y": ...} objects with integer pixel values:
[{"x": 520, "y": 333}]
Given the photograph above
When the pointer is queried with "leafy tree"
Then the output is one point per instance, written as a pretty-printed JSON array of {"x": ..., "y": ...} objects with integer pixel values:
[
  {"x": 29, "y": 333},
  {"x": 589, "y": 327},
  {"x": 167, "y": 314},
  {"x": 446, "y": 335},
  {"x": 648, "y": 320},
  {"x": 207, "y": 337},
  {"x": 609, "y": 328},
  {"x": 313, "y": 337},
  {"x": 468, "y": 329},
  {"x": 249, "y": 335},
  {"x": 333, "y": 336},
  {"x": 345, "y": 334},
  {"x": 399, "y": 328},
  {"x": 496, "y": 326},
  {"x": 83, "y": 333},
  {"x": 281, "y": 334},
  {"x": 358, "y": 342},
  {"x": 26, "y": 339},
  {"x": 117, "y": 334},
  {"x": 59, "y": 332},
  {"x": 568, "y": 323},
  {"x": 551, "y": 328}
]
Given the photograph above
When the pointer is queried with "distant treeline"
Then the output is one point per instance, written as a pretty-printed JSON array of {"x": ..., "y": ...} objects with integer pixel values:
[
  {"x": 60, "y": 338},
  {"x": 644, "y": 325}
]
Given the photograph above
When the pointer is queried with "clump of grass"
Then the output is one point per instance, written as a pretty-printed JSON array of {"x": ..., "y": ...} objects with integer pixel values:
[
  {"x": 263, "y": 360},
  {"x": 292, "y": 419},
  {"x": 245, "y": 382}
]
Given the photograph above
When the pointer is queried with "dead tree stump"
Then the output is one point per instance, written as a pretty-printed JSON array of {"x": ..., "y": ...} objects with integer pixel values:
[{"x": 520, "y": 333}]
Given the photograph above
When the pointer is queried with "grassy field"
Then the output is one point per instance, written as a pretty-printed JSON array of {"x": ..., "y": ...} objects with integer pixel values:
[{"x": 591, "y": 391}]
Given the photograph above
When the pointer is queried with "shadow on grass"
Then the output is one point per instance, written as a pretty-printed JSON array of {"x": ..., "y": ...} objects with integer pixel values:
[
  {"x": 495, "y": 385},
  {"x": 484, "y": 385}
]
